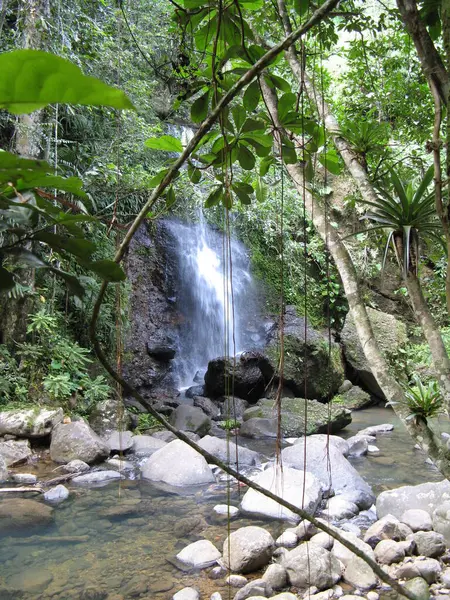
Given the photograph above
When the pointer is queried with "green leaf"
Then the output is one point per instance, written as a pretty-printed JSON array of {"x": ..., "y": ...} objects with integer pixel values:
[
  {"x": 72, "y": 185},
  {"x": 244, "y": 188},
  {"x": 227, "y": 200},
  {"x": 156, "y": 180},
  {"x": 167, "y": 143},
  {"x": 265, "y": 165},
  {"x": 246, "y": 158},
  {"x": 239, "y": 115},
  {"x": 286, "y": 105},
  {"x": 243, "y": 197},
  {"x": 32, "y": 79},
  {"x": 253, "y": 125},
  {"x": 23, "y": 256},
  {"x": 199, "y": 109},
  {"x": 214, "y": 197},
  {"x": 194, "y": 174},
  {"x": 260, "y": 190},
  {"x": 6, "y": 280},
  {"x": 278, "y": 82},
  {"x": 252, "y": 96},
  {"x": 79, "y": 247},
  {"x": 107, "y": 270},
  {"x": 73, "y": 284},
  {"x": 289, "y": 155},
  {"x": 13, "y": 168},
  {"x": 170, "y": 197},
  {"x": 330, "y": 160},
  {"x": 301, "y": 7}
]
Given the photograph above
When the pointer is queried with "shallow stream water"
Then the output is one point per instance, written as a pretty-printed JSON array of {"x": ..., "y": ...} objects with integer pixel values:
[{"x": 125, "y": 535}]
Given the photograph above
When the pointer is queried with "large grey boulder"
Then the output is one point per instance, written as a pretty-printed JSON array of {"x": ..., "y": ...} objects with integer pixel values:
[
  {"x": 391, "y": 336},
  {"x": 356, "y": 572},
  {"x": 177, "y": 464},
  {"x": 108, "y": 416},
  {"x": 426, "y": 496},
  {"x": 225, "y": 451},
  {"x": 232, "y": 408},
  {"x": 200, "y": 554},
  {"x": 417, "y": 519},
  {"x": 354, "y": 398},
  {"x": 386, "y": 528},
  {"x": 321, "y": 418},
  {"x": 300, "y": 489},
  {"x": 120, "y": 441},
  {"x": 77, "y": 440},
  {"x": 19, "y": 514},
  {"x": 429, "y": 543},
  {"x": 331, "y": 468},
  {"x": 258, "y": 428},
  {"x": 245, "y": 373},
  {"x": 311, "y": 565},
  {"x": 190, "y": 418},
  {"x": 146, "y": 445},
  {"x": 388, "y": 552},
  {"x": 30, "y": 423},
  {"x": 15, "y": 451},
  {"x": 210, "y": 408},
  {"x": 310, "y": 363},
  {"x": 441, "y": 521},
  {"x": 247, "y": 549},
  {"x": 428, "y": 568}
]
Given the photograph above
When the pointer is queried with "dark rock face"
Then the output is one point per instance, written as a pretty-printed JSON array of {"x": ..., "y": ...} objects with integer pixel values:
[
  {"x": 149, "y": 346},
  {"x": 247, "y": 377},
  {"x": 195, "y": 390}
]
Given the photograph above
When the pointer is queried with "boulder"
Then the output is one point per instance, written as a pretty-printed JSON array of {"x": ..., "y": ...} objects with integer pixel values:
[
  {"x": 200, "y": 554},
  {"x": 428, "y": 568},
  {"x": 247, "y": 549},
  {"x": 15, "y": 451},
  {"x": 386, "y": 528},
  {"x": 19, "y": 514},
  {"x": 358, "y": 574},
  {"x": 321, "y": 418},
  {"x": 441, "y": 521},
  {"x": 429, "y": 543},
  {"x": 345, "y": 555},
  {"x": 419, "y": 587},
  {"x": 391, "y": 336},
  {"x": 322, "y": 539},
  {"x": 77, "y": 440},
  {"x": 236, "y": 581},
  {"x": 177, "y": 464},
  {"x": 417, "y": 519},
  {"x": 254, "y": 590},
  {"x": 187, "y": 593},
  {"x": 388, "y": 552},
  {"x": 108, "y": 416},
  {"x": 338, "y": 508},
  {"x": 207, "y": 406},
  {"x": 426, "y": 496},
  {"x": 288, "y": 539},
  {"x": 195, "y": 390},
  {"x": 309, "y": 362},
  {"x": 354, "y": 398},
  {"x": 146, "y": 445},
  {"x": 275, "y": 576},
  {"x": 233, "y": 408},
  {"x": 329, "y": 463},
  {"x": 226, "y": 509},
  {"x": 246, "y": 375},
  {"x": 3, "y": 469},
  {"x": 357, "y": 445},
  {"x": 374, "y": 430},
  {"x": 30, "y": 423},
  {"x": 190, "y": 418},
  {"x": 226, "y": 451},
  {"x": 96, "y": 477},
  {"x": 259, "y": 428},
  {"x": 162, "y": 352},
  {"x": 310, "y": 564},
  {"x": 76, "y": 466},
  {"x": 303, "y": 490},
  {"x": 24, "y": 478},
  {"x": 120, "y": 441},
  {"x": 56, "y": 495}
]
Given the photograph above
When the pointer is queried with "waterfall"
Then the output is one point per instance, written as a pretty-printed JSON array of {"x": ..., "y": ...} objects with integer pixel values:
[{"x": 206, "y": 299}]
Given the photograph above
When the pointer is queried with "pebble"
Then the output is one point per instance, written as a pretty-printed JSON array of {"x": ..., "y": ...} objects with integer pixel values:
[
  {"x": 216, "y": 596},
  {"x": 372, "y": 596},
  {"x": 187, "y": 593},
  {"x": 236, "y": 581},
  {"x": 371, "y": 449},
  {"x": 24, "y": 478},
  {"x": 224, "y": 509}
]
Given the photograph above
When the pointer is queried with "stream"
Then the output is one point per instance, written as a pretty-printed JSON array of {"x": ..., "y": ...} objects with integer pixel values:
[{"x": 128, "y": 533}]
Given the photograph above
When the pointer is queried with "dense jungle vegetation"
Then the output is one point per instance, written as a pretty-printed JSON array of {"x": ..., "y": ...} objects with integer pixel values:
[{"x": 327, "y": 155}]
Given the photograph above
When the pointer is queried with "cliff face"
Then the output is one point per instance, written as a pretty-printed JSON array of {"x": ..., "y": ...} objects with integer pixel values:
[{"x": 151, "y": 339}]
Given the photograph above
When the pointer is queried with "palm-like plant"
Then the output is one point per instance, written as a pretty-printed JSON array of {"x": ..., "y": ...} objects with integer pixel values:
[
  {"x": 424, "y": 401},
  {"x": 409, "y": 215}
]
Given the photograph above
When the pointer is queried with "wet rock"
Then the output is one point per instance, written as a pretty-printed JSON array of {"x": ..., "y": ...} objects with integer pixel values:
[
  {"x": 345, "y": 387},
  {"x": 419, "y": 587},
  {"x": 120, "y": 464},
  {"x": 236, "y": 581},
  {"x": 56, "y": 495},
  {"x": 163, "y": 352},
  {"x": 97, "y": 477},
  {"x": 429, "y": 543},
  {"x": 345, "y": 555},
  {"x": 190, "y": 418},
  {"x": 288, "y": 539},
  {"x": 76, "y": 466},
  {"x": 441, "y": 520},
  {"x": 417, "y": 520},
  {"x": 247, "y": 549},
  {"x": 319, "y": 461},
  {"x": 248, "y": 380},
  {"x": 77, "y": 440},
  {"x": 30, "y": 423},
  {"x": 108, "y": 416},
  {"x": 200, "y": 554},
  {"x": 207, "y": 406},
  {"x": 146, "y": 445},
  {"x": 258, "y": 588},
  {"x": 275, "y": 576},
  {"x": 259, "y": 428},
  {"x": 358, "y": 574},
  {"x": 321, "y": 418},
  {"x": 386, "y": 528},
  {"x": 187, "y": 593},
  {"x": 188, "y": 525},
  {"x": 375, "y": 430},
  {"x": 310, "y": 564},
  {"x": 225, "y": 451},
  {"x": 24, "y": 478},
  {"x": 391, "y": 336},
  {"x": 177, "y": 464},
  {"x": 338, "y": 508},
  {"x": 195, "y": 390},
  {"x": 303, "y": 490},
  {"x": 357, "y": 445},
  {"x": 120, "y": 441},
  {"x": 3, "y": 470},
  {"x": 19, "y": 514},
  {"x": 428, "y": 568},
  {"x": 354, "y": 399},
  {"x": 163, "y": 583},
  {"x": 233, "y": 408},
  {"x": 225, "y": 509},
  {"x": 388, "y": 552},
  {"x": 15, "y": 452},
  {"x": 322, "y": 539},
  {"x": 30, "y": 580}
]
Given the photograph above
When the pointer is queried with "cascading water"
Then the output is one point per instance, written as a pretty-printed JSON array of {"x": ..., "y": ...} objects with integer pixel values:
[{"x": 214, "y": 315}]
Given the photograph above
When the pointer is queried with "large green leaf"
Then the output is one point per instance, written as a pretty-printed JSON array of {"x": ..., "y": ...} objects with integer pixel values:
[
  {"x": 199, "y": 109},
  {"x": 330, "y": 160},
  {"x": 13, "y": 168},
  {"x": 32, "y": 79},
  {"x": 166, "y": 143},
  {"x": 246, "y": 158},
  {"x": 71, "y": 185},
  {"x": 252, "y": 96},
  {"x": 214, "y": 197},
  {"x": 79, "y": 247},
  {"x": 6, "y": 280},
  {"x": 107, "y": 270}
]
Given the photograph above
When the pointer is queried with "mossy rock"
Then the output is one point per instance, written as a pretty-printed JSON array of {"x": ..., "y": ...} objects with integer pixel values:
[
  {"x": 391, "y": 336},
  {"x": 354, "y": 399},
  {"x": 320, "y": 417}
]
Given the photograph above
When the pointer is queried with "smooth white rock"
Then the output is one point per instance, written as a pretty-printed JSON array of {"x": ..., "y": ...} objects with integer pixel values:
[
  {"x": 57, "y": 494},
  {"x": 187, "y": 593},
  {"x": 200, "y": 554},
  {"x": 97, "y": 477},
  {"x": 288, "y": 539},
  {"x": 224, "y": 509}
]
